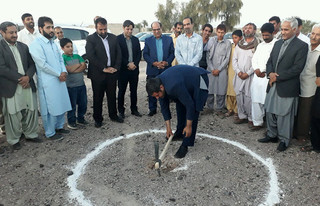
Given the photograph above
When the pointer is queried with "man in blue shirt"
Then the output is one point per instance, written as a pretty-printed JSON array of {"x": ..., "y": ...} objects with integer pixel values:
[
  {"x": 158, "y": 53},
  {"x": 188, "y": 87}
]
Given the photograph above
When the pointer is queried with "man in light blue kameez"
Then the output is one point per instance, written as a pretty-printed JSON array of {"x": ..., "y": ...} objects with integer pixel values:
[{"x": 51, "y": 72}]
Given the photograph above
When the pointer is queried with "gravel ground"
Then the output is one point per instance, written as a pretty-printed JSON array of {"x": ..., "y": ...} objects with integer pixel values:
[{"x": 214, "y": 172}]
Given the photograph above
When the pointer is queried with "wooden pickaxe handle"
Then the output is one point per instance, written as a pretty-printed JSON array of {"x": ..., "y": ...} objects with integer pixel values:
[{"x": 163, "y": 153}]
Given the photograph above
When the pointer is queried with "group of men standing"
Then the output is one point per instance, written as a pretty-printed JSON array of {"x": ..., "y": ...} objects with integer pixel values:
[{"x": 265, "y": 77}]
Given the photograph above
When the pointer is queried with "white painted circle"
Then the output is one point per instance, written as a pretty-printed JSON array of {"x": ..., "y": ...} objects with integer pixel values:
[{"x": 272, "y": 197}]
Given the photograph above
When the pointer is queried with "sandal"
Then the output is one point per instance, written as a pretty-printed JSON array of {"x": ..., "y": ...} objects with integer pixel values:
[{"x": 309, "y": 148}]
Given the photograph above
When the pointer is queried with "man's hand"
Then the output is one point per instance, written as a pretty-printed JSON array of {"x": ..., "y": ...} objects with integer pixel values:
[
  {"x": 169, "y": 130},
  {"x": 163, "y": 64},
  {"x": 240, "y": 74},
  {"x": 215, "y": 72},
  {"x": 244, "y": 76},
  {"x": 131, "y": 66},
  {"x": 272, "y": 78},
  {"x": 187, "y": 131},
  {"x": 63, "y": 77},
  {"x": 318, "y": 81},
  {"x": 24, "y": 81},
  {"x": 109, "y": 70}
]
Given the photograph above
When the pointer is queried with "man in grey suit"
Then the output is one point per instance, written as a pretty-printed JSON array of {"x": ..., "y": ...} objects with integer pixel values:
[
  {"x": 18, "y": 90},
  {"x": 286, "y": 62}
]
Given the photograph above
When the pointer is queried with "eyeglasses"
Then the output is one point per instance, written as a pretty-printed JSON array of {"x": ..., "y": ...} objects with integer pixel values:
[{"x": 156, "y": 29}]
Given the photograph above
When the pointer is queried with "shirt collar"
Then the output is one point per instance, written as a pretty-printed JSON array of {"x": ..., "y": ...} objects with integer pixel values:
[
  {"x": 15, "y": 44},
  {"x": 45, "y": 40},
  {"x": 190, "y": 36},
  {"x": 126, "y": 37},
  {"x": 104, "y": 39}
]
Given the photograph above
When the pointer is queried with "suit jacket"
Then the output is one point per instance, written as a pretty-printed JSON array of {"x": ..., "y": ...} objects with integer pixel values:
[
  {"x": 182, "y": 83},
  {"x": 316, "y": 100},
  {"x": 9, "y": 70},
  {"x": 150, "y": 54},
  {"x": 136, "y": 53},
  {"x": 289, "y": 67},
  {"x": 97, "y": 56}
]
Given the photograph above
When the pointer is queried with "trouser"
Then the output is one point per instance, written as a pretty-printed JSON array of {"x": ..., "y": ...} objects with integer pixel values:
[
  {"x": 23, "y": 122},
  {"x": 302, "y": 125},
  {"x": 220, "y": 101},
  {"x": 182, "y": 121},
  {"x": 78, "y": 96},
  {"x": 1, "y": 116},
  {"x": 124, "y": 79},
  {"x": 51, "y": 123},
  {"x": 152, "y": 101},
  {"x": 280, "y": 126},
  {"x": 258, "y": 113},
  {"x": 232, "y": 104},
  {"x": 315, "y": 133},
  {"x": 108, "y": 86},
  {"x": 244, "y": 106}
]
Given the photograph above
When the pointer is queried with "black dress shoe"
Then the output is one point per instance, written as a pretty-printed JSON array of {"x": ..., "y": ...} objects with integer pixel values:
[
  {"x": 182, "y": 151},
  {"x": 121, "y": 114},
  {"x": 177, "y": 137},
  {"x": 282, "y": 147},
  {"x": 62, "y": 131},
  {"x": 16, "y": 146},
  {"x": 136, "y": 113},
  {"x": 117, "y": 119},
  {"x": 98, "y": 124},
  {"x": 151, "y": 113},
  {"x": 35, "y": 140},
  {"x": 268, "y": 139}
]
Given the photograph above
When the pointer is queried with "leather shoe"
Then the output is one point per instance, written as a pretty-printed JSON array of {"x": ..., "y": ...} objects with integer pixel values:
[
  {"x": 98, "y": 124},
  {"x": 282, "y": 147},
  {"x": 117, "y": 119},
  {"x": 268, "y": 139},
  {"x": 16, "y": 146},
  {"x": 182, "y": 151},
  {"x": 151, "y": 113},
  {"x": 62, "y": 131},
  {"x": 136, "y": 113},
  {"x": 121, "y": 114},
  {"x": 35, "y": 140}
]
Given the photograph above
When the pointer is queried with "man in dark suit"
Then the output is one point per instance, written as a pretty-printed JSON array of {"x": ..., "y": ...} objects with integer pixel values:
[
  {"x": 104, "y": 55},
  {"x": 17, "y": 88},
  {"x": 158, "y": 53},
  {"x": 129, "y": 72},
  {"x": 188, "y": 87},
  {"x": 286, "y": 62}
]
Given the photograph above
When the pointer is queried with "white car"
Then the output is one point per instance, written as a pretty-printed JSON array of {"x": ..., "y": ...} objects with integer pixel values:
[{"x": 78, "y": 36}]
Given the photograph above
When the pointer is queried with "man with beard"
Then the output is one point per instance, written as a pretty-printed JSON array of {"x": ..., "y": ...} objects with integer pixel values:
[
  {"x": 104, "y": 55},
  {"x": 176, "y": 32},
  {"x": 260, "y": 81},
  {"x": 51, "y": 71},
  {"x": 207, "y": 30},
  {"x": 28, "y": 34},
  {"x": 286, "y": 62},
  {"x": 189, "y": 45},
  {"x": 244, "y": 72},
  {"x": 187, "y": 86},
  {"x": 18, "y": 90},
  {"x": 218, "y": 59}
]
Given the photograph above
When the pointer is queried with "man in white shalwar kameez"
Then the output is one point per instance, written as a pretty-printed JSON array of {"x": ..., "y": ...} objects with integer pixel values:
[
  {"x": 244, "y": 73},
  {"x": 53, "y": 93},
  {"x": 260, "y": 81}
]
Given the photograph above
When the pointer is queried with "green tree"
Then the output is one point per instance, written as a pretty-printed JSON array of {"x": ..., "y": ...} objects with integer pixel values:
[
  {"x": 138, "y": 26},
  {"x": 144, "y": 23},
  {"x": 198, "y": 10},
  {"x": 307, "y": 26},
  {"x": 167, "y": 14},
  {"x": 228, "y": 11}
]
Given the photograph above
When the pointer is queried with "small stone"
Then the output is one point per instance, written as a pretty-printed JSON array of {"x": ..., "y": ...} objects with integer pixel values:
[
  {"x": 41, "y": 166},
  {"x": 172, "y": 199},
  {"x": 70, "y": 173},
  {"x": 207, "y": 157}
]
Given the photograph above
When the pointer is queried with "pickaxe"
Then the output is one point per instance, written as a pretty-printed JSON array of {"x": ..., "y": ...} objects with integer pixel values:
[{"x": 159, "y": 160}]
